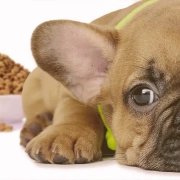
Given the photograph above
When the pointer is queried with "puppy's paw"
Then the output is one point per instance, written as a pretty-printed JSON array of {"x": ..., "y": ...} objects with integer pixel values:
[
  {"x": 65, "y": 144},
  {"x": 32, "y": 129}
]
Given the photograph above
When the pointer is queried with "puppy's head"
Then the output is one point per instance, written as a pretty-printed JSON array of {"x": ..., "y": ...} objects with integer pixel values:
[{"x": 134, "y": 73}]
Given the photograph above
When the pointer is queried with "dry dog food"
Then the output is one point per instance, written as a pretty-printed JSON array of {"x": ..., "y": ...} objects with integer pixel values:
[
  {"x": 5, "y": 128},
  {"x": 12, "y": 76}
]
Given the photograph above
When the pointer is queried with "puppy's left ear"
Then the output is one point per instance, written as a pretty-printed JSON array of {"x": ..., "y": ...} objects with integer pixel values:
[{"x": 76, "y": 54}]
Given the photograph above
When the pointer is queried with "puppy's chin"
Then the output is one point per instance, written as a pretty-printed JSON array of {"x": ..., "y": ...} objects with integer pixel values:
[
  {"x": 131, "y": 158},
  {"x": 128, "y": 157}
]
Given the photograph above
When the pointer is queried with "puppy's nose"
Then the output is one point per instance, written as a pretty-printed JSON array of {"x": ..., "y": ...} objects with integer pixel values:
[
  {"x": 172, "y": 139},
  {"x": 170, "y": 146}
]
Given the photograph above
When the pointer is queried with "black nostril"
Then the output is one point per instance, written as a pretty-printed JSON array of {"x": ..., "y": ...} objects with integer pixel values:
[
  {"x": 178, "y": 129},
  {"x": 170, "y": 149},
  {"x": 177, "y": 119},
  {"x": 176, "y": 124}
]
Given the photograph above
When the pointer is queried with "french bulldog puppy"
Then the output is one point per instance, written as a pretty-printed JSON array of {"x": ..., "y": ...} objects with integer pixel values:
[{"x": 132, "y": 72}]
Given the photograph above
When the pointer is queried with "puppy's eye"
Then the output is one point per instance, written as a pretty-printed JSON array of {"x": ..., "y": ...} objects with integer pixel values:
[{"x": 143, "y": 96}]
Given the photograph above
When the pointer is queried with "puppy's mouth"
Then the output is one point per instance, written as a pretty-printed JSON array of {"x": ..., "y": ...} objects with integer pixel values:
[{"x": 161, "y": 152}]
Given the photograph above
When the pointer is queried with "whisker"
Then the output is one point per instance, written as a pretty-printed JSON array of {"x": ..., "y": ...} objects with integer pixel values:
[
  {"x": 114, "y": 159},
  {"x": 120, "y": 153},
  {"x": 114, "y": 154},
  {"x": 142, "y": 57},
  {"x": 137, "y": 66}
]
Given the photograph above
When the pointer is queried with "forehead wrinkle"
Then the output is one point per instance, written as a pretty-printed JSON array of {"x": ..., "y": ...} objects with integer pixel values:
[{"x": 155, "y": 75}]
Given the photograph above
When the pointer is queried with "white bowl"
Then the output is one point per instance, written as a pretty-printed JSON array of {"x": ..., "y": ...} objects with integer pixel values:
[{"x": 11, "y": 108}]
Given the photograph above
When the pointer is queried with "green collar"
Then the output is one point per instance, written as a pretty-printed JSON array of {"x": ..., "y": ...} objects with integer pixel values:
[{"x": 111, "y": 143}]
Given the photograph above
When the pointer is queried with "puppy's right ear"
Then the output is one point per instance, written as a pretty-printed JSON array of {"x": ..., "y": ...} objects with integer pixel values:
[{"x": 76, "y": 54}]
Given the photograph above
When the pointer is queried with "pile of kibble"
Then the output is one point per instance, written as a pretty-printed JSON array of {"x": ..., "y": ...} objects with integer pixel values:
[{"x": 12, "y": 76}]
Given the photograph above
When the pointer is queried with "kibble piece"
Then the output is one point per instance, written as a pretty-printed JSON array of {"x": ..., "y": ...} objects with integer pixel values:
[
  {"x": 15, "y": 84},
  {"x": 1, "y": 64},
  {"x": 8, "y": 129},
  {"x": 1, "y": 85},
  {"x": 2, "y": 126}
]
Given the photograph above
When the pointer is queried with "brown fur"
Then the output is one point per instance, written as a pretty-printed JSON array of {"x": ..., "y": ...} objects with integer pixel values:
[{"x": 69, "y": 84}]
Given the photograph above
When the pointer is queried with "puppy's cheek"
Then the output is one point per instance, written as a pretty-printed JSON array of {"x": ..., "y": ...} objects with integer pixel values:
[
  {"x": 133, "y": 153},
  {"x": 130, "y": 156}
]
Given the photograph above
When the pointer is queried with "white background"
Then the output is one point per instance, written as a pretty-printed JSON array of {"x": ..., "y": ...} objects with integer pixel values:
[
  {"x": 17, "y": 21},
  {"x": 19, "y": 18}
]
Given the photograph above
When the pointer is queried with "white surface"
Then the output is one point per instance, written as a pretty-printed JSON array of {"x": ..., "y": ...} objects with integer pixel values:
[
  {"x": 11, "y": 108},
  {"x": 16, "y": 165},
  {"x": 17, "y": 20}
]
